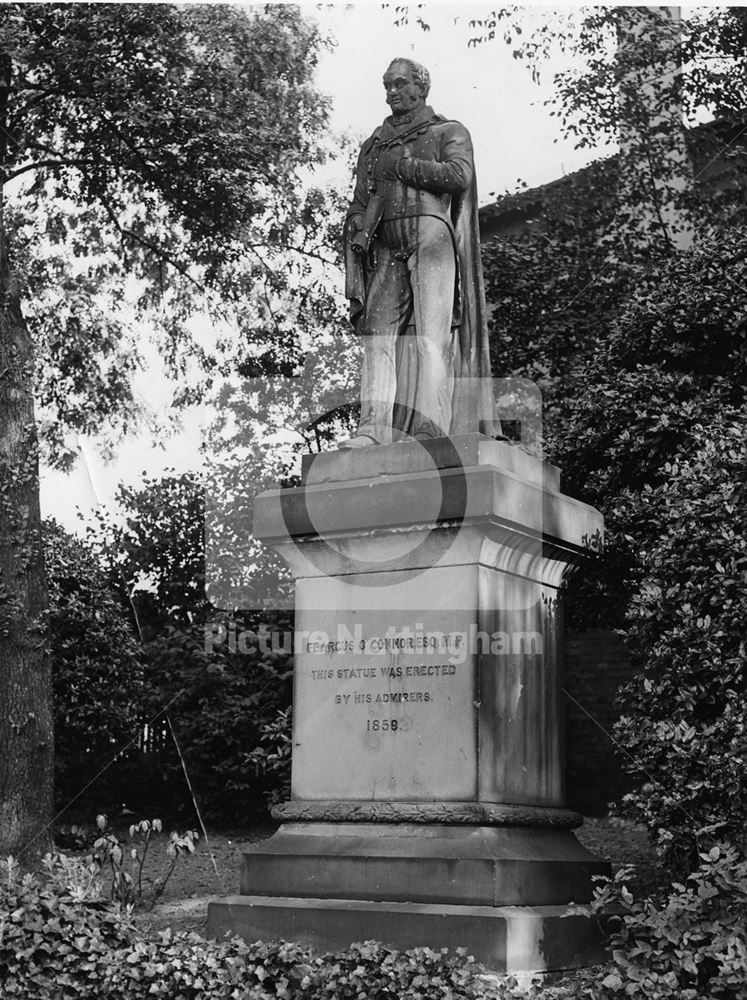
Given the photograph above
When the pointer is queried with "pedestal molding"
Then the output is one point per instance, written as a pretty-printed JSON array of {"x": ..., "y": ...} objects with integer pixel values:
[
  {"x": 448, "y": 543},
  {"x": 474, "y": 495},
  {"x": 461, "y": 813}
]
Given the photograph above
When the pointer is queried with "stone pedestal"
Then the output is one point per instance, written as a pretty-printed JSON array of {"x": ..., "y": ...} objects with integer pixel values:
[{"x": 427, "y": 782}]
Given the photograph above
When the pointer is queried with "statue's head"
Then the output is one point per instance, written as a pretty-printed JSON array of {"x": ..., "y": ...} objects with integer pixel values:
[{"x": 407, "y": 86}]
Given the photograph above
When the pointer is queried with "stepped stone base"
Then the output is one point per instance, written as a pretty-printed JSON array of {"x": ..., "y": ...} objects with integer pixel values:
[
  {"x": 424, "y": 863},
  {"x": 427, "y": 782},
  {"x": 505, "y": 938},
  {"x": 501, "y": 892}
]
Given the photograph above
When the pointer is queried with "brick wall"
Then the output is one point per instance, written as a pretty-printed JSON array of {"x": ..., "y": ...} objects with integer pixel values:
[{"x": 596, "y": 664}]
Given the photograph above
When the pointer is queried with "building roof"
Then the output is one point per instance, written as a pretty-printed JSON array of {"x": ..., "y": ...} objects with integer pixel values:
[{"x": 510, "y": 214}]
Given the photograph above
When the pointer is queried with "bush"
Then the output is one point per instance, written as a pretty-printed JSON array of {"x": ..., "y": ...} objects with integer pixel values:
[
  {"x": 61, "y": 941},
  {"x": 222, "y": 700},
  {"x": 692, "y": 946},
  {"x": 271, "y": 758},
  {"x": 654, "y": 437},
  {"x": 153, "y": 541},
  {"x": 683, "y": 721},
  {"x": 58, "y": 935},
  {"x": 73, "y": 836},
  {"x": 363, "y": 970},
  {"x": 224, "y": 688}
]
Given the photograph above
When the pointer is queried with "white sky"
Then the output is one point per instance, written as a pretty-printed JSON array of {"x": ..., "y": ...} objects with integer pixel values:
[{"x": 483, "y": 87}]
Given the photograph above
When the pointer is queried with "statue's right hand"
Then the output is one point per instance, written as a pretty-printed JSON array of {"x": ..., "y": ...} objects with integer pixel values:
[
  {"x": 359, "y": 243},
  {"x": 358, "y": 240}
]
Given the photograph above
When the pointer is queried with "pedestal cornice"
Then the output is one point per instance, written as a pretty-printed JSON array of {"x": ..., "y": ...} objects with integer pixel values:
[{"x": 479, "y": 495}]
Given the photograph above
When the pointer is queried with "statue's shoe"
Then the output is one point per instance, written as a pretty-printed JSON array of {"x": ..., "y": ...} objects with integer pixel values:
[{"x": 360, "y": 441}]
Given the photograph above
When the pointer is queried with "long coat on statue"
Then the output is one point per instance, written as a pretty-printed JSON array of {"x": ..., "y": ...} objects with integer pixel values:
[{"x": 433, "y": 177}]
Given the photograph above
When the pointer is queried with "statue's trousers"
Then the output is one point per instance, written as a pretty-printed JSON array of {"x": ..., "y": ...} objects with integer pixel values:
[{"x": 411, "y": 286}]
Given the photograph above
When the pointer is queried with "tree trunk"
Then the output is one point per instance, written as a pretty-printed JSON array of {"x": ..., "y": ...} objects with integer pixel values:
[{"x": 26, "y": 718}]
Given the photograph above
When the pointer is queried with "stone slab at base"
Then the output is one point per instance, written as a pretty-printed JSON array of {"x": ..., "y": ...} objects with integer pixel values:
[
  {"x": 422, "y": 863},
  {"x": 505, "y": 938}
]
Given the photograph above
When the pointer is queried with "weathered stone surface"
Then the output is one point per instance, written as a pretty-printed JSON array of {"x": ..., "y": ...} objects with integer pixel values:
[
  {"x": 427, "y": 780},
  {"x": 379, "y": 719},
  {"x": 427, "y": 657},
  {"x": 476, "y": 866},
  {"x": 406, "y": 457},
  {"x": 426, "y": 364},
  {"x": 475, "y": 494},
  {"x": 507, "y": 939}
]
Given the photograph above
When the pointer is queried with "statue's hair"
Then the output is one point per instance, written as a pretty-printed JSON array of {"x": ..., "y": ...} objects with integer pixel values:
[{"x": 420, "y": 74}]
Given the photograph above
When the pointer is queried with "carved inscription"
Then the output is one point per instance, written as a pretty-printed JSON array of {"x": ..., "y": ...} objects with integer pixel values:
[
  {"x": 374, "y": 676},
  {"x": 384, "y": 697}
]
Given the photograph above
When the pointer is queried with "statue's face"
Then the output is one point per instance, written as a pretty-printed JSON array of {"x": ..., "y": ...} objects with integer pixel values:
[{"x": 402, "y": 92}]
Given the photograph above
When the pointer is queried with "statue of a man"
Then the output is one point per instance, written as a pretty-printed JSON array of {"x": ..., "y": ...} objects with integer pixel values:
[{"x": 414, "y": 275}]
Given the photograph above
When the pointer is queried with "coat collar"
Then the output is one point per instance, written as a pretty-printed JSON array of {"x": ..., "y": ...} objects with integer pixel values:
[{"x": 395, "y": 124}]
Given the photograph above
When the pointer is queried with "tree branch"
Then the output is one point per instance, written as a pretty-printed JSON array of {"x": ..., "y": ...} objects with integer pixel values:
[
  {"x": 39, "y": 164},
  {"x": 22, "y": 108},
  {"x": 301, "y": 251},
  {"x": 655, "y": 195},
  {"x": 148, "y": 244}
]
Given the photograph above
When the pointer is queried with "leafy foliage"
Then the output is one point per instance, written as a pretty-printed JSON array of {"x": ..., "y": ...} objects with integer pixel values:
[
  {"x": 73, "y": 836},
  {"x": 640, "y": 351},
  {"x": 127, "y": 886},
  {"x": 151, "y": 539},
  {"x": 550, "y": 283},
  {"x": 664, "y": 465},
  {"x": 215, "y": 681},
  {"x": 219, "y": 700},
  {"x": 271, "y": 757},
  {"x": 683, "y": 714},
  {"x": 259, "y": 429},
  {"x": 58, "y": 935},
  {"x": 98, "y": 666},
  {"x": 559, "y": 283},
  {"x": 691, "y": 945},
  {"x": 155, "y": 154},
  {"x": 62, "y": 941},
  {"x": 585, "y": 93}
]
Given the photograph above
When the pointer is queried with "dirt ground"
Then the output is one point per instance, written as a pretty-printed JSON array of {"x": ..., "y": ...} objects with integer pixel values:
[{"x": 213, "y": 870}]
